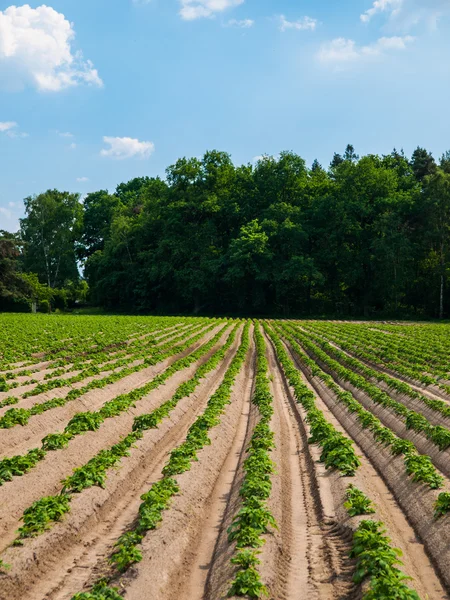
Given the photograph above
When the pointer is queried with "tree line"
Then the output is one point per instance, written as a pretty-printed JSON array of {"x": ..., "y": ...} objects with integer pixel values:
[{"x": 365, "y": 237}]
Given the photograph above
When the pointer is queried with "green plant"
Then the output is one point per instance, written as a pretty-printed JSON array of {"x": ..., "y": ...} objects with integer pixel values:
[
  {"x": 41, "y": 513},
  {"x": 100, "y": 591},
  {"x": 248, "y": 583},
  {"x": 4, "y": 566},
  {"x": 442, "y": 506},
  {"x": 377, "y": 562},
  {"x": 357, "y": 502}
]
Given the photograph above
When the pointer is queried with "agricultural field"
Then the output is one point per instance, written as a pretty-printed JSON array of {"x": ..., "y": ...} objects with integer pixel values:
[{"x": 175, "y": 458}]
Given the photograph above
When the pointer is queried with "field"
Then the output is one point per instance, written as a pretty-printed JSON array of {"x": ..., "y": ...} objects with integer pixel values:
[{"x": 189, "y": 458}]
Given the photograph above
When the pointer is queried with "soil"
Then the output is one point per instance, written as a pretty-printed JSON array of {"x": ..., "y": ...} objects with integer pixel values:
[{"x": 187, "y": 557}]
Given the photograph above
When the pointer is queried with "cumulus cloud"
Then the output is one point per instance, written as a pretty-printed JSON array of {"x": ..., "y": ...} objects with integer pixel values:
[
  {"x": 243, "y": 24},
  {"x": 126, "y": 147},
  {"x": 303, "y": 24},
  {"x": 65, "y": 134},
  {"x": 198, "y": 9},
  {"x": 82, "y": 179},
  {"x": 342, "y": 50},
  {"x": 36, "y": 49}
]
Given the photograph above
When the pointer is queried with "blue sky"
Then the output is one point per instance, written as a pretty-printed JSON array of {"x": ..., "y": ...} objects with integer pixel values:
[{"x": 95, "y": 92}]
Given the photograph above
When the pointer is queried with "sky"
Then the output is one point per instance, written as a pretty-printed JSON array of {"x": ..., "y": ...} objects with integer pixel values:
[{"x": 96, "y": 92}]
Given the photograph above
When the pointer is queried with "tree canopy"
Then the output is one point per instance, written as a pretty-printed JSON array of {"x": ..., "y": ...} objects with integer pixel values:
[{"x": 366, "y": 236}]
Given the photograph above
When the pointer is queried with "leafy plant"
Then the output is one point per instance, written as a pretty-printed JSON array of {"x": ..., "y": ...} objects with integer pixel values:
[
  {"x": 248, "y": 583},
  {"x": 357, "y": 502},
  {"x": 41, "y": 513},
  {"x": 442, "y": 506}
]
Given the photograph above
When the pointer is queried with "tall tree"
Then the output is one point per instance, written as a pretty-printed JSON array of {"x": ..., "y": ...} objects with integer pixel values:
[
  {"x": 99, "y": 209},
  {"x": 422, "y": 163},
  {"x": 13, "y": 288},
  {"x": 437, "y": 206},
  {"x": 50, "y": 230}
]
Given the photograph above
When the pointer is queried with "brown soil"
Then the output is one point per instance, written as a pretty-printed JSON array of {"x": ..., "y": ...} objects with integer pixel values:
[
  {"x": 26, "y": 386},
  {"x": 52, "y": 561},
  {"x": 21, "y": 439},
  {"x": 415, "y": 501},
  {"x": 41, "y": 481},
  {"x": 188, "y": 556}
]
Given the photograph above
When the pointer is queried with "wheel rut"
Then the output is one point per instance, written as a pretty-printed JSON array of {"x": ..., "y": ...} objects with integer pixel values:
[{"x": 314, "y": 559}]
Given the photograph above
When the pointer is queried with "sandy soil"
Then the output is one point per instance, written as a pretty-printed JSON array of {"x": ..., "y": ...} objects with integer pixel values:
[{"x": 188, "y": 556}]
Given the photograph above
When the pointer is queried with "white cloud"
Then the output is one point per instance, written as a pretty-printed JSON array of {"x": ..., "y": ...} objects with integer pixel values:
[
  {"x": 65, "y": 134},
  {"x": 72, "y": 146},
  {"x": 303, "y": 24},
  {"x": 82, "y": 179},
  {"x": 7, "y": 125},
  {"x": 35, "y": 49},
  {"x": 391, "y": 6},
  {"x": 197, "y": 9},
  {"x": 406, "y": 14},
  {"x": 342, "y": 50},
  {"x": 10, "y": 129},
  {"x": 243, "y": 24},
  {"x": 126, "y": 147}
]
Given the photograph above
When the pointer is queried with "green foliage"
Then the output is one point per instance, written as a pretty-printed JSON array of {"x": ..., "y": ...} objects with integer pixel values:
[
  {"x": 377, "y": 562},
  {"x": 40, "y": 514},
  {"x": 254, "y": 519},
  {"x": 101, "y": 591},
  {"x": 419, "y": 466},
  {"x": 442, "y": 506},
  {"x": 248, "y": 583},
  {"x": 337, "y": 449},
  {"x": 95, "y": 471},
  {"x": 422, "y": 470},
  {"x": 157, "y": 499},
  {"x": 357, "y": 502},
  {"x": 19, "y": 465},
  {"x": 4, "y": 566}
]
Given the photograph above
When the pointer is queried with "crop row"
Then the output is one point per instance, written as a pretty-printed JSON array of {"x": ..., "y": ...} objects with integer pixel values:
[
  {"x": 94, "y": 354},
  {"x": 440, "y": 436},
  {"x": 407, "y": 359},
  {"x": 337, "y": 449},
  {"x": 158, "y": 498},
  {"x": 24, "y": 336},
  {"x": 377, "y": 561},
  {"x": 91, "y": 421},
  {"x": 254, "y": 518},
  {"x": 37, "y": 517},
  {"x": 21, "y": 416},
  {"x": 91, "y": 361},
  {"x": 399, "y": 386},
  {"x": 382, "y": 355},
  {"x": 418, "y": 466},
  {"x": 138, "y": 352}
]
